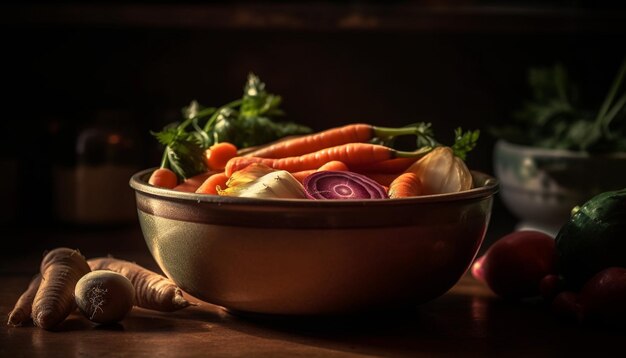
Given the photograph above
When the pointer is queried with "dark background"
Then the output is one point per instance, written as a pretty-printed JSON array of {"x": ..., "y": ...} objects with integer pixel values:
[{"x": 452, "y": 63}]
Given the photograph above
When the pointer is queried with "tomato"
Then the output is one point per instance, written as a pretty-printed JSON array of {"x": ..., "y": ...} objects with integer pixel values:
[
  {"x": 603, "y": 296},
  {"x": 567, "y": 305},
  {"x": 515, "y": 264},
  {"x": 550, "y": 286}
]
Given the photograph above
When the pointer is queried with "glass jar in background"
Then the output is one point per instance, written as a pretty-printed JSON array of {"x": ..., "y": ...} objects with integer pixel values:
[{"x": 94, "y": 188}]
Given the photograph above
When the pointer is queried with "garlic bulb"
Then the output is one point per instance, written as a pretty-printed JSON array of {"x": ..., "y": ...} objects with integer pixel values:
[{"x": 440, "y": 171}]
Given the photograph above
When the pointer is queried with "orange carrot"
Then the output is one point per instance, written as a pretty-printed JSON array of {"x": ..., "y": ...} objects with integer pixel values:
[
  {"x": 163, "y": 178},
  {"x": 61, "y": 269},
  {"x": 332, "y": 165},
  {"x": 211, "y": 183},
  {"x": 352, "y": 154},
  {"x": 219, "y": 154},
  {"x": 405, "y": 185},
  {"x": 152, "y": 291},
  {"x": 335, "y": 165},
  {"x": 24, "y": 305},
  {"x": 192, "y": 184},
  {"x": 303, "y": 174},
  {"x": 351, "y": 133},
  {"x": 384, "y": 179},
  {"x": 391, "y": 166}
]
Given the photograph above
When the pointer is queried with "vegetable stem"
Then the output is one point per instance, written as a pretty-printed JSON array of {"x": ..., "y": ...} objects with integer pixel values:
[
  {"x": 203, "y": 113},
  {"x": 386, "y": 132},
  {"x": 612, "y": 113},
  {"x": 211, "y": 120},
  {"x": 164, "y": 160},
  {"x": 415, "y": 154},
  {"x": 612, "y": 92}
]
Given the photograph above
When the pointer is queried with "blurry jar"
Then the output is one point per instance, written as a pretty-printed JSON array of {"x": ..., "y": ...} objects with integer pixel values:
[{"x": 94, "y": 189}]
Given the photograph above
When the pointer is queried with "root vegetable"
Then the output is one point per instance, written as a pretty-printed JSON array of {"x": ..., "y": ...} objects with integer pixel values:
[
  {"x": 342, "y": 185},
  {"x": 278, "y": 184},
  {"x": 163, "y": 178},
  {"x": 61, "y": 269},
  {"x": 104, "y": 296},
  {"x": 24, "y": 305},
  {"x": 152, "y": 291},
  {"x": 190, "y": 185},
  {"x": 351, "y": 154},
  {"x": 441, "y": 171},
  {"x": 212, "y": 183},
  {"x": 219, "y": 154},
  {"x": 405, "y": 185},
  {"x": 351, "y": 133}
]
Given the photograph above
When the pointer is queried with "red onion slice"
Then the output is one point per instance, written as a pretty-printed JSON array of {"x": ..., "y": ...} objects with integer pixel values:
[{"x": 342, "y": 185}]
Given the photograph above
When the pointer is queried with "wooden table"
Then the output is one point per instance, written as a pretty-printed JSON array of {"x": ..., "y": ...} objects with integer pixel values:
[{"x": 467, "y": 321}]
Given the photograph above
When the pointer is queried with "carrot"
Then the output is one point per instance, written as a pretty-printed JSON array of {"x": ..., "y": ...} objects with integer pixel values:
[
  {"x": 24, "y": 305},
  {"x": 405, "y": 185},
  {"x": 335, "y": 165},
  {"x": 61, "y": 269},
  {"x": 209, "y": 186},
  {"x": 332, "y": 165},
  {"x": 303, "y": 174},
  {"x": 219, "y": 154},
  {"x": 384, "y": 179},
  {"x": 332, "y": 137},
  {"x": 352, "y": 154},
  {"x": 152, "y": 291},
  {"x": 351, "y": 133},
  {"x": 190, "y": 185},
  {"x": 391, "y": 166},
  {"x": 163, "y": 178}
]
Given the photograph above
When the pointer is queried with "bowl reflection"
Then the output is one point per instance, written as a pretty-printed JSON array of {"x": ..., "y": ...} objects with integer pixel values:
[
  {"x": 312, "y": 257},
  {"x": 542, "y": 186}
]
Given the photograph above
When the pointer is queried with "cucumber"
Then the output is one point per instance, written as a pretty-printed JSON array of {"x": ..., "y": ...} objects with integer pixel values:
[{"x": 594, "y": 238}]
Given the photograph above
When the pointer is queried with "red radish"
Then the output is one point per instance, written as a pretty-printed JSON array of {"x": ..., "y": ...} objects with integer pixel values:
[
  {"x": 515, "y": 264},
  {"x": 603, "y": 296}
]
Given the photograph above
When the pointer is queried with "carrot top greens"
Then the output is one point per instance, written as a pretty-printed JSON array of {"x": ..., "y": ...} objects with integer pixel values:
[{"x": 245, "y": 122}]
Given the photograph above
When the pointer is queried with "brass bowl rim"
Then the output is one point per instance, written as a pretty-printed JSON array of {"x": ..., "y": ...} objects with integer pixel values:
[{"x": 488, "y": 188}]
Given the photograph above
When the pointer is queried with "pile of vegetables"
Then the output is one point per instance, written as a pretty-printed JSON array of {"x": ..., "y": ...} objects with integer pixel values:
[
  {"x": 556, "y": 118},
  {"x": 238, "y": 150},
  {"x": 103, "y": 289},
  {"x": 581, "y": 273}
]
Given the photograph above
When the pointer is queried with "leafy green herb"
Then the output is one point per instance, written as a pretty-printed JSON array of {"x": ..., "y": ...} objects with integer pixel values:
[
  {"x": 553, "y": 118},
  {"x": 183, "y": 154},
  {"x": 245, "y": 122},
  {"x": 464, "y": 142}
]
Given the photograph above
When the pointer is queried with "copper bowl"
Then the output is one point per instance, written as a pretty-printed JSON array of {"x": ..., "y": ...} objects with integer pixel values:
[{"x": 313, "y": 257}]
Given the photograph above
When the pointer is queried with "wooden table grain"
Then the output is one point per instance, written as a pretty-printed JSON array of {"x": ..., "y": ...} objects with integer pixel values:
[{"x": 467, "y": 321}]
